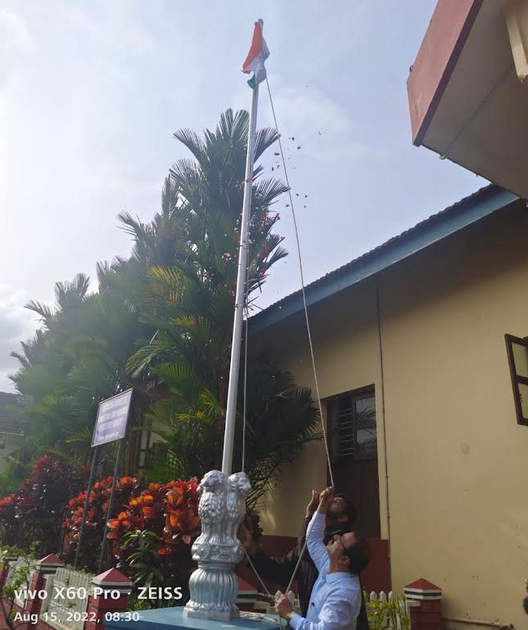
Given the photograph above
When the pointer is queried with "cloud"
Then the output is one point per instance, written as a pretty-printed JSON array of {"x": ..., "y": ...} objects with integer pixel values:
[
  {"x": 307, "y": 108},
  {"x": 322, "y": 128},
  {"x": 16, "y": 324},
  {"x": 14, "y": 33},
  {"x": 111, "y": 26},
  {"x": 15, "y": 39}
]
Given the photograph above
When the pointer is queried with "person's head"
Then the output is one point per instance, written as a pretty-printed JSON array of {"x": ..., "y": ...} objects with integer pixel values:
[
  {"x": 341, "y": 510},
  {"x": 349, "y": 552}
]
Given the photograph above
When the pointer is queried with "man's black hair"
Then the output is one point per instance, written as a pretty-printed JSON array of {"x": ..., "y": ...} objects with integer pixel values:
[
  {"x": 525, "y": 604},
  {"x": 349, "y": 509},
  {"x": 359, "y": 554}
]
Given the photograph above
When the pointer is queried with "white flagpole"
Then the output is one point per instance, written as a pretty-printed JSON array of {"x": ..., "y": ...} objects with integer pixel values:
[
  {"x": 214, "y": 586},
  {"x": 234, "y": 368}
]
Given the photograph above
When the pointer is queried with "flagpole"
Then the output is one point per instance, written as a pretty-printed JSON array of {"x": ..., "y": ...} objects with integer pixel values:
[
  {"x": 214, "y": 586},
  {"x": 234, "y": 367}
]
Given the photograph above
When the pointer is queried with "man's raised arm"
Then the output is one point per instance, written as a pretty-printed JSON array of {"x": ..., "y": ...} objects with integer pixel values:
[{"x": 316, "y": 530}]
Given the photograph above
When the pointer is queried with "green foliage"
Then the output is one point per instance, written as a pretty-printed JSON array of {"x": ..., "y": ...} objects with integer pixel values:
[
  {"x": 191, "y": 305},
  {"x": 280, "y": 419},
  {"x": 388, "y": 615},
  {"x": 15, "y": 473},
  {"x": 142, "y": 548},
  {"x": 161, "y": 322},
  {"x": 77, "y": 359},
  {"x": 36, "y": 510}
]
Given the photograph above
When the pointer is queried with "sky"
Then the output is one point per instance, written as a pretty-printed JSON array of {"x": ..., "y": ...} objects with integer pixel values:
[{"x": 91, "y": 92}]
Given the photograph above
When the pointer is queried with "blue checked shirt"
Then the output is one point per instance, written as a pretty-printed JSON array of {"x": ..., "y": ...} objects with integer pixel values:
[{"x": 336, "y": 597}]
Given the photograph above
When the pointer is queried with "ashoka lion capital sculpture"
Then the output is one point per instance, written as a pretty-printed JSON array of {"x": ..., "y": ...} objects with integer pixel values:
[{"x": 214, "y": 585}]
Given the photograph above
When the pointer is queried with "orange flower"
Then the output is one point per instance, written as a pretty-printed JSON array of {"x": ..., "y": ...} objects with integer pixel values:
[{"x": 175, "y": 497}]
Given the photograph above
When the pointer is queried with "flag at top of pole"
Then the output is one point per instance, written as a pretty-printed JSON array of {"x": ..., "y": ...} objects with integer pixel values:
[{"x": 257, "y": 54}]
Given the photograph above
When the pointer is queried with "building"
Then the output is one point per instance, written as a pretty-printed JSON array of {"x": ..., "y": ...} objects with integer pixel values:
[
  {"x": 468, "y": 89},
  {"x": 11, "y": 426},
  {"x": 413, "y": 371}
]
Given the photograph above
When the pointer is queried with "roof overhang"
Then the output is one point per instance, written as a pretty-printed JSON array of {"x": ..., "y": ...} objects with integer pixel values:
[{"x": 468, "y": 89}]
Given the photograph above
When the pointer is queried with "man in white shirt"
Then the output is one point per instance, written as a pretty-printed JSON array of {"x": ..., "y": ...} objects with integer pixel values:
[{"x": 336, "y": 597}]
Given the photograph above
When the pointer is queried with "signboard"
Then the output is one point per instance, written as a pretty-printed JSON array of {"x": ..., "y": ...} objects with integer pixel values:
[{"x": 112, "y": 417}]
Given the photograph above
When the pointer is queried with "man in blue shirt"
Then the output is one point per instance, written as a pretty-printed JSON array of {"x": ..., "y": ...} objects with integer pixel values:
[{"x": 336, "y": 597}]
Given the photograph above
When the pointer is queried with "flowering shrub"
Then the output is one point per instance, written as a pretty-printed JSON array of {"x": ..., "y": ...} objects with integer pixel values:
[
  {"x": 182, "y": 520},
  {"x": 167, "y": 515},
  {"x": 96, "y": 515},
  {"x": 170, "y": 511},
  {"x": 35, "y": 512}
]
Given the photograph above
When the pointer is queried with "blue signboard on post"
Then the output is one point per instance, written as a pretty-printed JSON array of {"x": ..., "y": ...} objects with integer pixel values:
[
  {"x": 112, "y": 417},
  {"x": 110, "y": 425}
]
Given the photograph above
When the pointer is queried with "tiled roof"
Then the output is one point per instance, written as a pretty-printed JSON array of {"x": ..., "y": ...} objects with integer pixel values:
[{"x": 9, "y": 422}]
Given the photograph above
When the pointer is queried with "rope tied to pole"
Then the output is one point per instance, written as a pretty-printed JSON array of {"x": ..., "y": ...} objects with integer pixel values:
[{"x": 310, "y": 343}]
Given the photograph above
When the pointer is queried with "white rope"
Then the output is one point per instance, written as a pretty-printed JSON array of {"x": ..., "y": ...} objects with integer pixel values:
[
  {"x": 281, "y": 620},
  {"x": 301, "y": 271},
  {"x": 296, "y": 566},
  {"x": 312, "y": 354},
  {"x": 256, "y": 573}
]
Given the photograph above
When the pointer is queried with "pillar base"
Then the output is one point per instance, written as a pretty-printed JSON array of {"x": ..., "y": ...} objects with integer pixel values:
[
  {"x": 212, "y": 615},
  {"x": 214, "y": 585},
  {"x": 177, "y": 619}
]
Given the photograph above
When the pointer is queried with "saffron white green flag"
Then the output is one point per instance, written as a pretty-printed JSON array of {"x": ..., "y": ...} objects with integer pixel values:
[{"x": 257, "y": 54}]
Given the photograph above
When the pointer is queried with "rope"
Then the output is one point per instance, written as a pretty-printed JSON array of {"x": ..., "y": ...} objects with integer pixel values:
[
  {"x": 305, "y": 305},
  {"x": 281, "y": 620},
  {"x": 310, "y": 342},
  {"x": 256, "y": 573},
  {"x": 296, "y": 567},
  {"x": 312, "y": 354}
]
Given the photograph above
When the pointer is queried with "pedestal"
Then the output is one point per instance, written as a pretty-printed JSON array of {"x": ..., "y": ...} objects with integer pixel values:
[
  {"x": 214, "y": 585},
  {"x": 177, "y": 618}
]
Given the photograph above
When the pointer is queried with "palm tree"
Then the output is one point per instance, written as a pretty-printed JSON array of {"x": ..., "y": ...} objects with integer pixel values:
[
  {"x": 191, "y": 303},
  {"x": 161, "y": 322},
  {"x": 76, "y": 360},
  {"x": 281, "y": 419}
]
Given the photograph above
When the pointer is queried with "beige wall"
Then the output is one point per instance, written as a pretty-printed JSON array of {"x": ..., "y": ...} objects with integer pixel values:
[{"x": 457, "y": 459}]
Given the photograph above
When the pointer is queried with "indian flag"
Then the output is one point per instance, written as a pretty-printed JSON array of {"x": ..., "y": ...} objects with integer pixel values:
[{"x": 257, "y": 54}]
